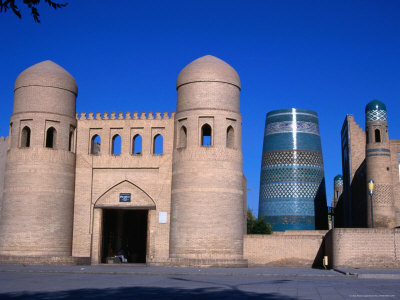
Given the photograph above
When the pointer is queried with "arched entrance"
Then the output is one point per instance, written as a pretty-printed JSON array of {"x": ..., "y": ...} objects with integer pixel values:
[
  {"x": 124, "y": 234},
  {"x": 121, "y": 222}
]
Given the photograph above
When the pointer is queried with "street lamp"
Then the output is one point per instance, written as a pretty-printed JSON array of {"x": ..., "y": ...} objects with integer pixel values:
[{"x": 371, "y": 192}]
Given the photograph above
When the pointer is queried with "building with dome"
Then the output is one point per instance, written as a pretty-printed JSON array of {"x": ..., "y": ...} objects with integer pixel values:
[
  {"x": 160, "y": 188},
  {"x": 334, "y": 219},
  {"x": 369, "y": 155},
  {"x": 168, "y": 188}
]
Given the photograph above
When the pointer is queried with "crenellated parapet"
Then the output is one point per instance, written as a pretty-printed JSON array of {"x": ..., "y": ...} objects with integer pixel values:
[{"x": 128, "y": 116}]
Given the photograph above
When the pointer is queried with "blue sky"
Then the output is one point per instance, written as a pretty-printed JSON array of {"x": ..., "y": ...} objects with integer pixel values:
[{"x": 329, "y": 56}]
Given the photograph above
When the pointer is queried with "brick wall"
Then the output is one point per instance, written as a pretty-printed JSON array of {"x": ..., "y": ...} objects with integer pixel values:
[
  {"x": 394, "y": 150},
  {"x": 3, "y": 159},
  {"x": 100, "y": 178},
  {"x": 363, "y": 247},
  {"x": 289, "y": 248}
]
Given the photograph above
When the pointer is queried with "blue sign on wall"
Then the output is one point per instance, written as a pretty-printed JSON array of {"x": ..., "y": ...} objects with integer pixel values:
[{"x": 124, "y": 197}]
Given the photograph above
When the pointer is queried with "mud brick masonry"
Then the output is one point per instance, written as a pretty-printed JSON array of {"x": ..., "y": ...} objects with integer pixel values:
[{"x": 159, "y": 188}]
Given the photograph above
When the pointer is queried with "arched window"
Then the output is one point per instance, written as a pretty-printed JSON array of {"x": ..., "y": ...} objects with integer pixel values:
[
  {"x": 71, "y": 140},
  {"x": 116, "y": 145},
  {"x": 137, "y": 144},
  {"x": 230, "y": 137},
  {"x": 51, "y": 135},
  {"x": 26, "y": 137},
  {"x": 377, "y": 136},
  {"x": 182, "y": 137},
  {"x": 95, "y": 145},
  {"x": 158, "y": 144},
  {"x": 367, "y": 135},
  {"x": 206, "y": 135}
]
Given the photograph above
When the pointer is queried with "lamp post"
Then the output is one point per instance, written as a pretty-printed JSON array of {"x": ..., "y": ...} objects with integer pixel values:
[{"x": 371, "y": 192}]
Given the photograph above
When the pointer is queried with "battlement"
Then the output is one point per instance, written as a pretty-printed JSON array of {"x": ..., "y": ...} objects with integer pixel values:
[{"x": 128, "y": 116}]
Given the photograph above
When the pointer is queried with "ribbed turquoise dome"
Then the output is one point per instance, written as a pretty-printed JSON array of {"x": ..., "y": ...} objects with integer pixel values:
[
  {"x": 338, "y": 180},
  {"x": 338, "y": 177},
  {"x": 375, "y": 111},
  {"x": 375, "y": 105}
]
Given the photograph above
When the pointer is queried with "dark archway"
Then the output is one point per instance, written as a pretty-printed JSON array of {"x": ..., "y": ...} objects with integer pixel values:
[
  {"x": 377, "y": 136},
  {"x": 51, "y": 136},
  {"x": 26, "y": 137},
  {"x": 125, "y": 235}
]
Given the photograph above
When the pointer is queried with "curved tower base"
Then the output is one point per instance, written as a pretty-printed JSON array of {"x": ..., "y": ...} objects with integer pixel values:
[{"x": 208, "y": 206}]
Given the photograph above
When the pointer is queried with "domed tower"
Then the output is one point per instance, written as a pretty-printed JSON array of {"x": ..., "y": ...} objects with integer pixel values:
[
  {"x": 378, "y": 165},
  {"x": 208, "y": 186},
  {"x": 38, "y": 194},
  {"x": 337, "y": 189}
]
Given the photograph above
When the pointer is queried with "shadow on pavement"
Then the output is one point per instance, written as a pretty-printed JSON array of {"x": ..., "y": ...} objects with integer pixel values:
[{"x": 144, "y": 293}]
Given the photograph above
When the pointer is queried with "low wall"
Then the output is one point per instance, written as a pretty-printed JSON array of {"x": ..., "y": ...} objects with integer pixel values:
[
  {"x": 44, "y": 260},
  {"x": 363, "y": 247},
  {"x": 289, "y": 248}
]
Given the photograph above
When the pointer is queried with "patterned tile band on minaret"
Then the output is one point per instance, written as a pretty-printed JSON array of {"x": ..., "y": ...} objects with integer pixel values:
[{"x": 292, "y": 186}]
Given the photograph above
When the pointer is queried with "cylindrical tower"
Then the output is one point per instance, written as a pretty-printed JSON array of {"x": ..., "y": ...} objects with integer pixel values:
[
  {"x": 292, "y": 185},
  {"x": 208, "y": 209},
  {"x": 337, "y": 189},
  {"x": 39, "y": 183},
  {"x": 378, "y": 165}
]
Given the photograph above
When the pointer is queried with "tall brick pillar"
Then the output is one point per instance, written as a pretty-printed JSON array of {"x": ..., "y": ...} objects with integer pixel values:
[
  {"x": 39, "y": 182},
  {"x": 207, "y": 210},
  {"x": 378, "y": 165},
  {"x": 337, "y": 189}
]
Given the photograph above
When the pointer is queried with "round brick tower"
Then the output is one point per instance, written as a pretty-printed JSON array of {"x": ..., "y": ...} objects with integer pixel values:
[
  {"x": 337, "y": 189},
  {"x": 39, "y": 183},
  {"x": 379, "y": 165},
  {"x": 208, "y": 186}
]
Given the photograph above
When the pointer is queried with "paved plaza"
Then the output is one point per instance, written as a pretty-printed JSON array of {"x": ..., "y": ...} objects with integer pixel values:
[{"x": 141, "y": 282}]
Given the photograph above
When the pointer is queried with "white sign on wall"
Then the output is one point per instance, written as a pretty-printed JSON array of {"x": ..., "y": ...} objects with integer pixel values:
[{"x": 162, "y": 217}]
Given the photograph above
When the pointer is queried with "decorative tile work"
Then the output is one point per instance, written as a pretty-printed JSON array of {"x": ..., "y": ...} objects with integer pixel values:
[
  {"x": 289, "y": 141},
  {"x": 378, "y": 154},
  {"x": 338, "y": 182},
  {"x": 303, "y": 223},
  {"x": 382, "y": 195},
  {"x": 300, "y": 174},
  {"x": 289, "y": 112},
  {"x": 378, "y": 150},
  {"x": 289, "y": 126},
  {"x": 289, "y": 189},
  {"x": 292, "y": 186},
  {"x": 292, "y": 157},
  {"x": 286, "y": 206},
  {"x": 293, "y": 220},
  {"x": 376, "y": 115}
]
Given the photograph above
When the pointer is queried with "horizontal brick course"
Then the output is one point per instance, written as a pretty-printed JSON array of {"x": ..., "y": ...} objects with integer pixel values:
[
  {"x": 290, "y": 248},
  {"x": 363, "y": 247}
]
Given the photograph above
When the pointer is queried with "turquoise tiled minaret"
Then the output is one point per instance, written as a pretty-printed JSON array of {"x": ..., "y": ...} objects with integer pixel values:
[{"x": 292, "y": 185}]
